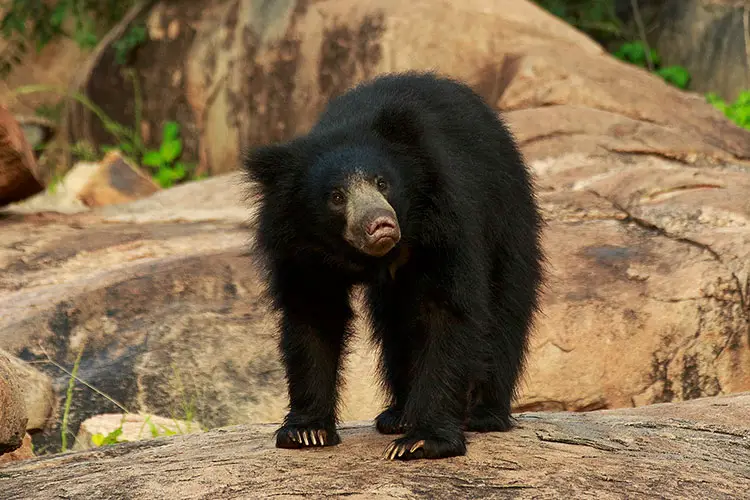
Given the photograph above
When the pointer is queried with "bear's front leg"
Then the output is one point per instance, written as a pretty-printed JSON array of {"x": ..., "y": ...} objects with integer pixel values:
[
  {"x": 438, "y": 394},
  {"x": 314, "y": 329}
]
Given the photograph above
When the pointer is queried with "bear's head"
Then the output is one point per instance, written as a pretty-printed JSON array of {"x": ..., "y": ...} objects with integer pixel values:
[{"x": 342, "y": 191}]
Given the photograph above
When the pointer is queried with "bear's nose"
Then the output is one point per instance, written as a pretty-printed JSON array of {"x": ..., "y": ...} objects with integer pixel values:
[{"x": 381, "y": 222}]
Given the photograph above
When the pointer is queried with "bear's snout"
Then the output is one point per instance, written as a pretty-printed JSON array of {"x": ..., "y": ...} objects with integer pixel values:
[
  {"x": 382, "y": 233},
  {"x": 380, "y": 224}
]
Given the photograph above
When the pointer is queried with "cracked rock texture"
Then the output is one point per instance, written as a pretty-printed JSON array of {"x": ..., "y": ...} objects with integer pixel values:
[
  {"x": 644, "y": 188},
  {"x": 697, "y": 449}
]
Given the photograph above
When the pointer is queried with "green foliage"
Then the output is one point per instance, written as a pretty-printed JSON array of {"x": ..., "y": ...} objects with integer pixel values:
[
  {"x": 167, "y": 170},
  {"x": 738, "y": 111},
  {"x": 110, "y": 439},
  {"x": 39, "y": 22},
  {"x": 164, "y": 162},
  {"x": 52, "y": 112},
  {"x": 676, "y": 75},
  {"x": 637, "y": 53},
  {"x": 69, "y": 400},
  {"x": 134, "y": 37},
  {"x": 165, "y": 431},
  {"x": 598, "y": 18}
]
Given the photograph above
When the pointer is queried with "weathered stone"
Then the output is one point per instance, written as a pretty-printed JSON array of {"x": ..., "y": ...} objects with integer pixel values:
[
  {"x": 13, "y": 416},
  {"x": 170, "y": 310},
  {"x": 130, "y": 427},
  {"x": 19, "y": 178},
  {"x": 37, "y": 392},
  {"x": 115, "y": 181},
  {"x": 24, "y": 452},
  {"x": 696, "y": 449}
]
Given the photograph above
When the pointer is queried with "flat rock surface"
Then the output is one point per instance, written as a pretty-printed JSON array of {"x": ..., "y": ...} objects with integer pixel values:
[{"x": 697, "y": 449}]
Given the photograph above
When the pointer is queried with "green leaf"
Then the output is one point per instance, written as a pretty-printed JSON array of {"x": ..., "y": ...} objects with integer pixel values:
[
  {"x": 152, "y": 427},
  {"x": 127, "y": 148},
  {"x": 58, "y": 14},
  {"x": 635, "y": 53},
  {"x": 152, "y": 159},
  {"x": 170, "y": 131},
  {"x": 163, "y": 178},
  {"x": 97, "y": 439},
  {"x": 743, "y": 99},
  {"x": 170, "y": 150},
  {"x": 179, "y": 170},
  {"x": 676, "y": 75}
]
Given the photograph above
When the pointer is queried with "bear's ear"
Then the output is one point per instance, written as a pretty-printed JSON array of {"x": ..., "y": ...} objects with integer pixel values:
[
  {"x": 400, "y": 125},
  {"x": 267, "y": 164}
]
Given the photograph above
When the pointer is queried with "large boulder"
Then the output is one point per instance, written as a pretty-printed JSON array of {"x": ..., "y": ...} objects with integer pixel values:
[
  {"x": 19, "y": 176},
  {"x": 643, "y": 188},
  {"x": 13, "y": 416},
  {"x": 238, "y": 73},
  {"x": 696, "y": 449},
  {"x": 36, "y": 388}
]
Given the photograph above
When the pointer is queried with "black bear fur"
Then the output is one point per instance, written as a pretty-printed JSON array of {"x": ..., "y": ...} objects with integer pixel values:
[{"x": 451, "y": 304}]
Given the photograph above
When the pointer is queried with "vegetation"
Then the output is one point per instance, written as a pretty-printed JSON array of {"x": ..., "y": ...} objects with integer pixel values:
[
  {"x": 737, "y": 111},
  {"x": 163, "y": 162},
  {"x": 86, "y": 21},
  {"x": 39, "y": 22},
  {"x": 600, "y": 20}
]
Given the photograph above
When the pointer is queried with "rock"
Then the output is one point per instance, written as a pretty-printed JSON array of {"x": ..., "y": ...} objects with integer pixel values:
[
  {"x": 53, "y": 66},
  {"x": 129, "y": 427},
  {"x": 13, "y": 416},
  {"x": 696, "y": 449},
  {"x": 38, "y": 394},
  {"x": 37, "y": 130},
  {"x": 24, "y": 452},
  {"x": 644, "y": 191},
  {"x": 115, "y": 181},
  {"x": 241, "y": 73},
  {"x": 19, "y": 178},
  {"x": 707, "y": 37}
]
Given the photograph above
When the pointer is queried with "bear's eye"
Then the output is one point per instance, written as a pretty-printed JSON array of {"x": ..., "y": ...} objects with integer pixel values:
[
  {"x": 382, "y": 185},
  {"x": 337, "y": 198}
]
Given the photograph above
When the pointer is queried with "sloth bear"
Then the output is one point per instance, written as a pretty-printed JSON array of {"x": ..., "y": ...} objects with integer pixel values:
[{"x": 411, "y": 185}]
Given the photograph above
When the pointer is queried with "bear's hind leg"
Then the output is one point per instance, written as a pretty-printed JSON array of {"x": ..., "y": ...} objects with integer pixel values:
[
  {"x": 513, "y": 306},
  {"x": 491, "y": 413}
]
